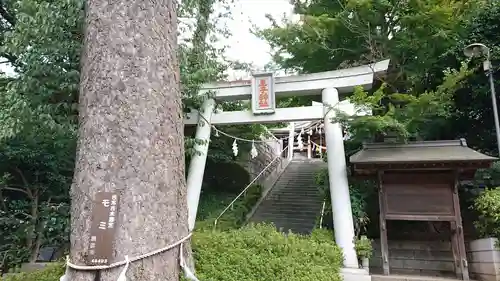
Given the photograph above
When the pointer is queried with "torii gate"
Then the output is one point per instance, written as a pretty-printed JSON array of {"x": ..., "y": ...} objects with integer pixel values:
[{"x": 263, "y": 90}]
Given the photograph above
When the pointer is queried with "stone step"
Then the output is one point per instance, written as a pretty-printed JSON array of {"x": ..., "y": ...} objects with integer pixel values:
[
  {"x": 288, "y": 188},
  {"x": 292, "y": 191},
  {"x": 294, "y": 202},
  {"x": 295, "y": 184},
  {"x": 297, "y": 179},
  {"x": 286, "y": 222},
  {"x": 287, "y": 210},
  {"x": 283, "y": 208},
  {"x": 299, "y": 171},
  {"x": 292, "y": 188},
  {"x": 294, "y": 197},
  {"x": 309, "y": 177},
  {"x": 409, "y": 278},
  {"x": 283, "y": 218}
]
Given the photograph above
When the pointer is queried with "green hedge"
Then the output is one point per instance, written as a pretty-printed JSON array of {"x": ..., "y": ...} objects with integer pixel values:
[
  {"x": 251, "y": 253},
  {"x": 260, "y": 253},
  {"x": 50, "y": 273}
]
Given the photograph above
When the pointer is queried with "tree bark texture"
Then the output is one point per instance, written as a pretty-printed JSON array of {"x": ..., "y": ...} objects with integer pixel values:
[{"x": 131, "y": 136}]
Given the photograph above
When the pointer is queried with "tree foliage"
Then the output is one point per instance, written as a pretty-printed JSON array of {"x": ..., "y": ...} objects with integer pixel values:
[
  {"x": 41, "y": 40},
  {"x": 473, "y": 112},
  {"x": 420, "y": 37}
]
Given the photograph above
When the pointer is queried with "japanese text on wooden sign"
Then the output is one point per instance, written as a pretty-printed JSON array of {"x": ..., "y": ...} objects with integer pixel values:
[
  {"x": 263, "y": 95},
  {"x": 102, "y": 229}
]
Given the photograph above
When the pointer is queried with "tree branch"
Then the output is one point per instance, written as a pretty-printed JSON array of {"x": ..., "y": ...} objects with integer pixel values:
[
  {"x": 25, "y": 182},
  {"x": 6, "y": 15},
  {"x": 28, "y": 193},
  {"x": 3, "y": 206},
  {"x": 10, "y": 58}
]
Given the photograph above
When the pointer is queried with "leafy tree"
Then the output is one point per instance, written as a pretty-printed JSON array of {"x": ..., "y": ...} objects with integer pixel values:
[
  {"x": 403, "y": 116},
  {"x": 38, "y": 126},
  {"x": 417, "y": 36},
  {"x": 337, "y": 34},
  {"x": 473, "y": 114}
]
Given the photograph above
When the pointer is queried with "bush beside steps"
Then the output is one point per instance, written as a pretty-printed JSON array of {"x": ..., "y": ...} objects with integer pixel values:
[{"x": 251, "y": 253}]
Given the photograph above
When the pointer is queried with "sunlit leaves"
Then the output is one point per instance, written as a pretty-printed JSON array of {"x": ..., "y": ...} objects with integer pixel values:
[{"x": 404, "y": 115}]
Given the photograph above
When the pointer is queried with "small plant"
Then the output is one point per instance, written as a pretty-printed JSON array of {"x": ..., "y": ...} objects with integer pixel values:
[
  {"x": 363, "y": 247},
  {"x": 487, "y": 206}
]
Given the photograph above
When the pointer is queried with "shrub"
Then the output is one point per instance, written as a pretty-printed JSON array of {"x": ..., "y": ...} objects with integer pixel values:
[
  {"x": 251, "y": 253},
  {"x": 322, "y": 235},
  {"x": 234, "y": 217},
  {"x": 363, "y": 247},
  {"x": 259, "y": 252},
  {"x": 487, "y": 205},
  {"x": 51, "y": 273}
]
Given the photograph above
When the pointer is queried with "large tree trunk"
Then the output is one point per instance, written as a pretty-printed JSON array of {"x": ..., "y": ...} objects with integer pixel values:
[{"x": 131, "y": 135}]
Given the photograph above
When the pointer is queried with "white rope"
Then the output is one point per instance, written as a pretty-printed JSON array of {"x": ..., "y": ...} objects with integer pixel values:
[
  {"x": 128, "y": 260},
  {"x": 317, "y": 145},
  {"x": 187, "y": 271},
  {"x": 123, "y": 274},
  {"x": 218, "y": 131}
]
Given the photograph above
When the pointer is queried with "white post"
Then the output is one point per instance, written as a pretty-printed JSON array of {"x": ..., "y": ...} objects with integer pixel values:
[
  {"x": 339, "y": 188},
  {"x": 291, "y": 140},
  {"x": 309, "y": 152},
  {"x": 198, "y": 161}
]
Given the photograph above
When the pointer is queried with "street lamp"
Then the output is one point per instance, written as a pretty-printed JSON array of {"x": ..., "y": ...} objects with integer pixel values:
[{"x": 479, "y": 50}]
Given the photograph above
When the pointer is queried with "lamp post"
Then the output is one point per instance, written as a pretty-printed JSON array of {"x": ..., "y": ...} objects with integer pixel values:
[{"x": 478, "y": 50}]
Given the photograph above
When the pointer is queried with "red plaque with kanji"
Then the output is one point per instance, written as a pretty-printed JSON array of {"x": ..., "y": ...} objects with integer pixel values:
[{"x": 263, "y": 96}]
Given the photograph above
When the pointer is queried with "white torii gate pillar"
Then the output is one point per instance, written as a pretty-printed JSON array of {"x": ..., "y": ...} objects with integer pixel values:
[
  {"x": 198, "y": 161},
  {"x": 337, "y": 174}
]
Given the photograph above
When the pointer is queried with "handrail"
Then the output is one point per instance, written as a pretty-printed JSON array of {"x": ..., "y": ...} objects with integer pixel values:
[
  {"x": 247, "y": 187},
  {"x": 322, "y": 214}
]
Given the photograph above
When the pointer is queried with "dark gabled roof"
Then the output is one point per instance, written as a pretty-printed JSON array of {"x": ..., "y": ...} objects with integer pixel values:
[{"x": 418, "y": 152}]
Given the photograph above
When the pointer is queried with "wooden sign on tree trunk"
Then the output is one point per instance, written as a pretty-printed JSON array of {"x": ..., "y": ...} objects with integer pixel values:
[
  {"x": 102, "y": 228},
  {"x": 131, "y": 139}
]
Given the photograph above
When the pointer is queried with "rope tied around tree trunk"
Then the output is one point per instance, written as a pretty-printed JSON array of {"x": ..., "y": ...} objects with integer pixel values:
[{"x": 127, "y": 261}]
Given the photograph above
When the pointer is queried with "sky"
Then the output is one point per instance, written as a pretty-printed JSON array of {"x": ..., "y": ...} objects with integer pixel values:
[{"x": 243, "y": 45}]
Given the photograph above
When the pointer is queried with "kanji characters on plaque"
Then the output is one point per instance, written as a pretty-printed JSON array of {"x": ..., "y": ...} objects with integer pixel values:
[{"x": 263, "y": 96}]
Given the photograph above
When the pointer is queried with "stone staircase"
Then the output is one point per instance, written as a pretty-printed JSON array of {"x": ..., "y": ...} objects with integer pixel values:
[{"x": 294, "y": 202}]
